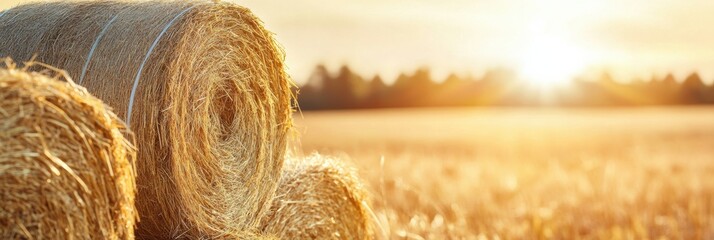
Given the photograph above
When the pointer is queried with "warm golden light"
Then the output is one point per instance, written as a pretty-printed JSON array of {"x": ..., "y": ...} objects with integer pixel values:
[{"x": 548, "y": 61}]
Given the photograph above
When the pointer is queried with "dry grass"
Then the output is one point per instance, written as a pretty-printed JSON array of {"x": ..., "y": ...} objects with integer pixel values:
[
  {"x": 66, "y": 169},
  {"x": 211, "y": 101},
  {"x": 319, "y": 198},
  {"x": 530, "y": 174}
]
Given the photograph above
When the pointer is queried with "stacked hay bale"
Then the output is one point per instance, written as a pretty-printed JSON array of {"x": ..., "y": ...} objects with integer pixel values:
[
  {"x": 66, "y": 169},
  {"x": 318, "y": 198},
  {"x": 201, "y": 84}
]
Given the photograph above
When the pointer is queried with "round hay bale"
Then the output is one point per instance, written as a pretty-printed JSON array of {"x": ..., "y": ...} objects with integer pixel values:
[
  {"x": 66, "y": 169},
  {"x": 318, "y": 198},
  {"x": 201, "y": 84}
]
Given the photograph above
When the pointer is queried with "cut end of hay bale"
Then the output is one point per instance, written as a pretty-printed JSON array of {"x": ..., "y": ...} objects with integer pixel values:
[
  {"x": 319, "y": 198},
  {"x": 66, "y": 169}
]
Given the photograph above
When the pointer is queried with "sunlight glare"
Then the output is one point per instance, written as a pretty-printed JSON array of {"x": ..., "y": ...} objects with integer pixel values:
[{"x": 549, "y": 62}]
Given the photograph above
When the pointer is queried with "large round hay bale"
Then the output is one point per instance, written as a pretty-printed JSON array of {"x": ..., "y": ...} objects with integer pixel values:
[
  {"x": 318, "y": 198},
  {"x": 200, "y": 83},
  {"x": 66, "y": 170}
]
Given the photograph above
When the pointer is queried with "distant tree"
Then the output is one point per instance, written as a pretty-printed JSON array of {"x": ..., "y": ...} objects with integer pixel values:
[
  {"x": 451, "y": 91},
  {"x": 669, "y": 80},
  {"x": 640, "y": 91},
  {"x": 377, "y": 93},
  {"x": 614, "y": 93},
  {"x": 649, "y": 89},
  {"x": 339, "y": 91},
  {"x": 311, "y": 94},
  {"x": 668, "y": 90},
  {"x": 413, "y": 90},
  {"x": 358, "y": 85},
  {"x": 693, "y": 90},
  {"x": 497, "y": 87},
  {"x": 318, "y": 77},
  {"x": 452, "y": 80}
]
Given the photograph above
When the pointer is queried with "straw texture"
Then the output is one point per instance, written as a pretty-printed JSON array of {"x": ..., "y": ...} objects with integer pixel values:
[
  {"x": 209, "y": 100},
  {"x": 66, "y": 169},
  {"x": 319, "y": 198}
]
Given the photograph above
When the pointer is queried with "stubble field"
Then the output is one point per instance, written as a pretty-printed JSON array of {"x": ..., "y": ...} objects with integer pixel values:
[{"x": 527, "y": 173}]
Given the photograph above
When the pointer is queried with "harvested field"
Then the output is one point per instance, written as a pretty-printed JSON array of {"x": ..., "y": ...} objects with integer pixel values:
[{"x": 529, "y": 174}]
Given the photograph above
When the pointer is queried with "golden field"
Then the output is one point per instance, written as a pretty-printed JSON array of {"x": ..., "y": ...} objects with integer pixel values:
[{"x": 629, "y": 173}]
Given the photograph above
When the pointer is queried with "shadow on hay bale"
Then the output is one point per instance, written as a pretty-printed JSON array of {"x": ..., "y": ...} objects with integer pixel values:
[
  {"x": 202, "y": 86},
  {"x": 66, "y": 169},
  {"x": 319, "y": 198}
]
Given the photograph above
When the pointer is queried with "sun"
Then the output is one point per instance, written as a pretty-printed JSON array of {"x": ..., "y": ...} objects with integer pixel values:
[{"x": 548, "y": 62}]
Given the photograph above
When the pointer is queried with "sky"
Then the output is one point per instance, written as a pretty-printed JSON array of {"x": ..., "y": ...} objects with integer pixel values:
[{"x": 540, "y": 39}]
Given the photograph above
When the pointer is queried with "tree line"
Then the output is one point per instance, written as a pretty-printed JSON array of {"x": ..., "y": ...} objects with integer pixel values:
[{"x": 346, "y": 89}]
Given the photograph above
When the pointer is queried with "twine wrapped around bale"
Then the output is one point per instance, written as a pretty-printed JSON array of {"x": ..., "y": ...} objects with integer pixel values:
[
  {"x": 66, "y": 169},
  {"x": 319, "y": 198},
  {"x": 202, "y": 85}
]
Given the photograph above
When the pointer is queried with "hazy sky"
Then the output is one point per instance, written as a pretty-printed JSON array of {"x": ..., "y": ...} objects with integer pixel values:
[{"x": 535, "y": 37}]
